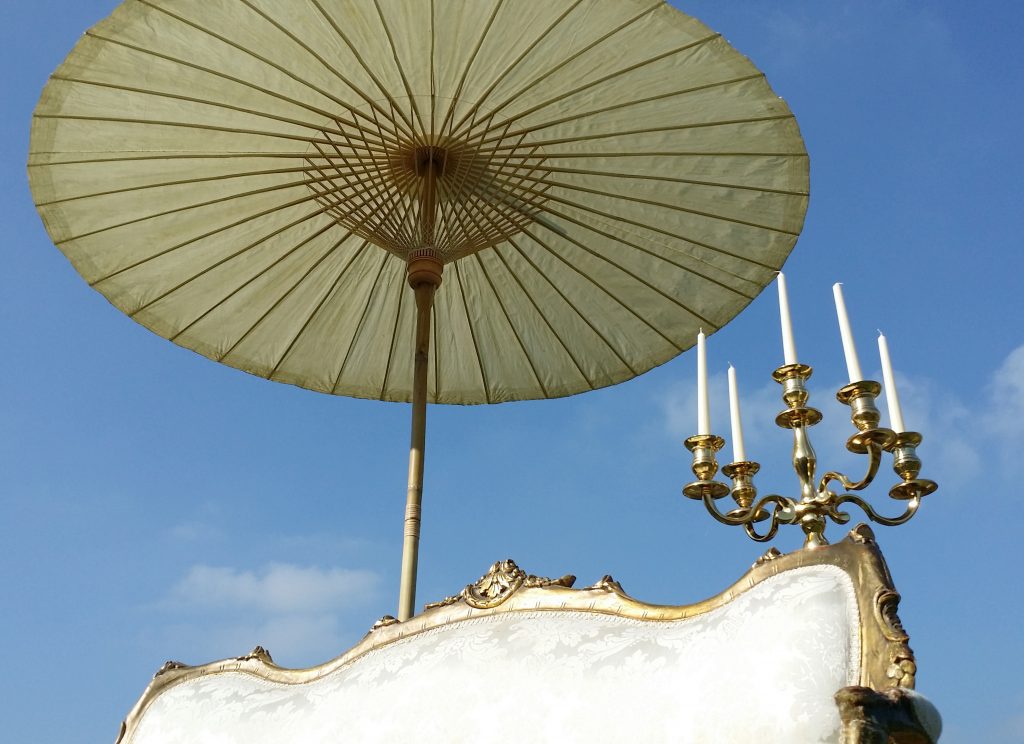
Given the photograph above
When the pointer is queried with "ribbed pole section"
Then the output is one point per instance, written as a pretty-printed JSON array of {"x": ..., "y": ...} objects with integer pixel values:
[
  {"x": 417, "y": 444},
  {"x": 424, "y": 274}
]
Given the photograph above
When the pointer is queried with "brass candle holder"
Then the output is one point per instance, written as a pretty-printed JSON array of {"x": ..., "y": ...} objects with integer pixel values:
[{"x": 818, "y": 502}]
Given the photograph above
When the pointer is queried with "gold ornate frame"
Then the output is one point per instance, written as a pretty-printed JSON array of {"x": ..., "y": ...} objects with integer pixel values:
[{"x": 886, "y": 659}]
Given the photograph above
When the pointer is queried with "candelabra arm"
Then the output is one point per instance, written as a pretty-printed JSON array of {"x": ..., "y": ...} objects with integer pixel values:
[
  {"x": 755, "y": 513},
  {"x": 874, "y": 452},
  {"x": 733, "y": 520},
  {"x": 782, "y": 504},
  {"x": 843, "y": 517},
  {"x": 756, "y": 537}
]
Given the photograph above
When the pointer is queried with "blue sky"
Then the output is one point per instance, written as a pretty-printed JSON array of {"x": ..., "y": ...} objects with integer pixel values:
[{"x": 156, "y": 505}]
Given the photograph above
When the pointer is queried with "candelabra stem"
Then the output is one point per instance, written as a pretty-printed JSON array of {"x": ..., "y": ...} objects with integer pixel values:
[
  {"x": 804, "y": 463},
  {"x": 814, "y": 531}
]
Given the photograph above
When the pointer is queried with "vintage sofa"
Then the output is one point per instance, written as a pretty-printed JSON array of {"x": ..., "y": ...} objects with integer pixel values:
[{"x": 805, "y": 647}]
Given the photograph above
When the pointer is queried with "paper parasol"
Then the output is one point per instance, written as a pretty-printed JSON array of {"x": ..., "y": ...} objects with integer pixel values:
[{"x": 259, "y": 181}]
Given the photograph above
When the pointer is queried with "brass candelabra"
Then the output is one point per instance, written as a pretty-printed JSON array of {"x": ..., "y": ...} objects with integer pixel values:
[{"x": 818, "y": 502}]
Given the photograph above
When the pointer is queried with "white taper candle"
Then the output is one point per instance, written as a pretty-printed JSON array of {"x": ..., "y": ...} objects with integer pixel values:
[
  {"x": 788, "y": 345},
  {"x": 703, "y": 418},
  {"x": 892, "y": 400},
  {"x": 849, "y": 348},
  {"x": 739, "y": 453}
]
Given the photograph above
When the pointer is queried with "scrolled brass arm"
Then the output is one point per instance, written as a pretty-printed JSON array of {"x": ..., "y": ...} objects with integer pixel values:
[
  {"x": 873, "y": 450},
  {"x": 842, "y": 517},
  {"x": 751, "y": 515},
  {"x": 709, "y": 504},
  {"x": 782, "y": 504}
]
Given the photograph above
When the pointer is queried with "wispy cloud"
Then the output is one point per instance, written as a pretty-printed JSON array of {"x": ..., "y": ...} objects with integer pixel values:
[
  {"x": 294, "y": 640},
  {"x": 295, "y": 611},
  {"x": 951, "y": 450},
  {"x": 323, "y": 544},
  {"x": 953, "y": 425},
  {"x": 1011, "y": 729},
  {"x": 278, "y": 588},
  {"x": 1014, "y": 729},
  {"x": 315, "y": 546},
  {"x": 1004, "y": 416},
  {"x": 193, "y": 532}
]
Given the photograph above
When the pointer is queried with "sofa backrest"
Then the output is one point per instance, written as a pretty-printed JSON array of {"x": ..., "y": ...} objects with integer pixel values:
[{"x": 520, "y": 658}]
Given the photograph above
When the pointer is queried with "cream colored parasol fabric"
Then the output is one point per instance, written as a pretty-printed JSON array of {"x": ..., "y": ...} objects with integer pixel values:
[{"x": 246, "y": 178}]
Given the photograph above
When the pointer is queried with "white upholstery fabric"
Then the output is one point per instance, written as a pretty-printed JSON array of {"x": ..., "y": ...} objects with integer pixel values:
[{"x": 763, "y": 668}]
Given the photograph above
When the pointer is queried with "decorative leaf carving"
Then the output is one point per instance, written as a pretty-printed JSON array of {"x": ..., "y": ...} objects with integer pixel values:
[
  {"x": 501, "y": 581},
  {"x": 384, "y": 622},
  {"x": 902, "y": 667},
  {"x": 862, "y": 534},
  {"x": 770, "y": 555},
  {"x": 608, "y": 584},
  {"x": 258, "y": 653},
  {"x": 168, "y": 666}
]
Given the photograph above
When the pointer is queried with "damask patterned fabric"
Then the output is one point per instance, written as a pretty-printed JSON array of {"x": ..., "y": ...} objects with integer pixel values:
[{"x": 763, "y": 668}]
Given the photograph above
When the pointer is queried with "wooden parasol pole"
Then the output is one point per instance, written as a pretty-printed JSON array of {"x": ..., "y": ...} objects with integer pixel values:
[{"x": 424, "y": 274}]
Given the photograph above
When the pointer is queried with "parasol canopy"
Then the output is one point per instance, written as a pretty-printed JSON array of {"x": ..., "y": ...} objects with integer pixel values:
[
  {"x": 259, "y": 180},
  {"x": 247, "y": 178}
]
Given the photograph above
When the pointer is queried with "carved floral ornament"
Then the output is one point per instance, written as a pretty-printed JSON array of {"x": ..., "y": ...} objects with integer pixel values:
[{"x": 501, "y": 581}]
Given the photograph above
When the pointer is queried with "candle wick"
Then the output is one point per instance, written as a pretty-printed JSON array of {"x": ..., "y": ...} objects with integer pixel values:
[{"x": 879, "y": 331}]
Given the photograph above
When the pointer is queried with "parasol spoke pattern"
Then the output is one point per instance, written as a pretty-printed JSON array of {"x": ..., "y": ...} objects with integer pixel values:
[{"x": 248, "y": 178}]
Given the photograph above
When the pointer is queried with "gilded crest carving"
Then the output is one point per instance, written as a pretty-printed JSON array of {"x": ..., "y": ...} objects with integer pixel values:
[
  {"x": 169, "y": 666},
  {"x": 384, "y": 622},
  {"x": 862, "y": 534},
  {"x": 770, "y": 555},
  {"x": 501, "y": 581},
  {"x": 259, "y": 653},
  {"x": 902, "y": 666},
  {"x": 887, "y": 601},
  {"x": 608, "y": 584},
  {"x": 903, "y": 669}
]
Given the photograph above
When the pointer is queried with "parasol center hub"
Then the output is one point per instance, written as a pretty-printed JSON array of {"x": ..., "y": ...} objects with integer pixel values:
[
  {"x": 455, "y": 193},
  {"x": 424, "y": 266},
  {"x": 430, "y": 160}
]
